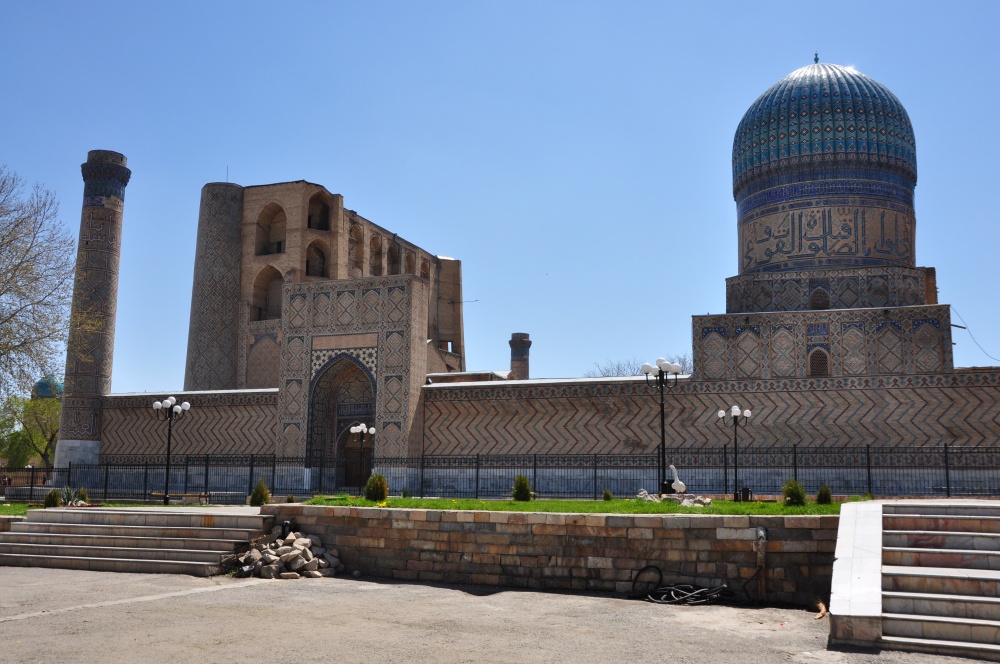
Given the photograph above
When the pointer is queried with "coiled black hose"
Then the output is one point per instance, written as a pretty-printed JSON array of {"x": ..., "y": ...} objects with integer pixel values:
[{"x": 645, "y": 587}]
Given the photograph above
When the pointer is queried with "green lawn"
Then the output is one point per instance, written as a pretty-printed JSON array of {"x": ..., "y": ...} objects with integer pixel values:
[
  {"x": 632, "y": 506},
  {"x": 13, "y": 509}
]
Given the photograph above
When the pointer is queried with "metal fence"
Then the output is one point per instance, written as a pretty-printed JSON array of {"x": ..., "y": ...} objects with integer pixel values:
[{"x": 919, "y": 471}]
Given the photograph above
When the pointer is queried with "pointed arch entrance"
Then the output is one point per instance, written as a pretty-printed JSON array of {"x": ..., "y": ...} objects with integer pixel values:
[{"x": 342, "y": 395}]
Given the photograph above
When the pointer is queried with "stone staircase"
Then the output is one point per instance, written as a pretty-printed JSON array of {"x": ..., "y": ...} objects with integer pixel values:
[
  {"x": 941, "y": 578},
  {"x": 147, "y": 540}
]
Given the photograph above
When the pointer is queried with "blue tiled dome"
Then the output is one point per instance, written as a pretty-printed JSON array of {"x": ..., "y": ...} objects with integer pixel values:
[
  {"x": 823, "y": 115},
  {"x": 47, "y": 388}
]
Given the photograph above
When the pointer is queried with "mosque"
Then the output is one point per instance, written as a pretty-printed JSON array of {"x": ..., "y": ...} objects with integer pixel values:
[{"x": 307, "y": 318}]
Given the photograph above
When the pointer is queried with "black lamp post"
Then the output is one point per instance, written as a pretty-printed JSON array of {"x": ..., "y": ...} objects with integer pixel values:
[
  {"x": 167, "y": 411},
  {"x": 661, "y": 373},
  {"x": 735, "y": 419}
]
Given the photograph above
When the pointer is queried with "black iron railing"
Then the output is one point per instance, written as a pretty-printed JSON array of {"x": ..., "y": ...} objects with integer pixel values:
[{"x": 900, "y": 471}]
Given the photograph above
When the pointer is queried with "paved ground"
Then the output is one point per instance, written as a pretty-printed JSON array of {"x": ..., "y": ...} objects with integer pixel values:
[{"x": 70, "y": 616}]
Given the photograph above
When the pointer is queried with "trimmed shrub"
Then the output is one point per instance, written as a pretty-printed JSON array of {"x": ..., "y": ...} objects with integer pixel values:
[
  {"x": 607, "y": 494},
  {"x": 261, "y": 495},
  {"x": 376, "y": 488},
  {"x": 83, "y": 495},
  {"x": 522, "y": 488},
  {"x": 824, "y": 496},
  {"x": 289, "y": 498},
  {"x": 405, "y": 493},
  {"x": 795, "y": 495},
  {"x": 53, "y": 499}
]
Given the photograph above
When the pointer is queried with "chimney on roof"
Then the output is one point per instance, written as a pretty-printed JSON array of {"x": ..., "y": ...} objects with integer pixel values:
[{"x": 519, "y": 346}]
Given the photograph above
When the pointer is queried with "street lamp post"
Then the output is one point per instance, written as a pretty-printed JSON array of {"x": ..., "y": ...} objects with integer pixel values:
[
  {"x": 167, "y": 411},
  {"x": 736, "y": 419},
  {"x": 661, "y": 373},
  {"x": 363, "y": 429}
]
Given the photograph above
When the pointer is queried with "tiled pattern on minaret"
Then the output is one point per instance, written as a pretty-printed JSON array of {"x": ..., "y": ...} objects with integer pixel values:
[
  {"x": 213, "y": 336},
  {"x": 91, "y": 343}
]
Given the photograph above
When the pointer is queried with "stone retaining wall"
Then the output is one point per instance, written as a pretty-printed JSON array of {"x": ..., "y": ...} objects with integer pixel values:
[
  {"x": 6, "y": 521},
  {"x": 575, "y": 551}
]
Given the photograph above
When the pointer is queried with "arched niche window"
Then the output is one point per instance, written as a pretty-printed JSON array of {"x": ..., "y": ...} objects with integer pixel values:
[
  {"x": 819, "y": 363},
  {"x": 356, "y": 250},
  {"x": 316, "y": 261},
  {"x": 425, "y": 270},
  {"x": 375, "y": 256},
  {"x": 319, "y": 212},
  {"x": 271, "y": 230},
  {"x": 819, "y": 299},
  {"x": 267, "y": 287},
  {"x": 409, "y": 264},
  {"x": 393, "y": 259}
]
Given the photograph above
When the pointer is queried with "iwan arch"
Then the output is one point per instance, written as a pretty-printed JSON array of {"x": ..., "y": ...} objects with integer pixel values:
[{"x": 307, "y": 317}]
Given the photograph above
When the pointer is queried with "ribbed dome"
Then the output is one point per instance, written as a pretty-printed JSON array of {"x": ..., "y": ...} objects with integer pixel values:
[
  {"x": 823, "y": 115},
  {"x": 47, "y": 388}
]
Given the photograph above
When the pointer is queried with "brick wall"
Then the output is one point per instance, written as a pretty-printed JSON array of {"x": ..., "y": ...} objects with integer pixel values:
[
  {"x": 622, "y": 415},
  {"x": 7, "y": 521},
  {"x": 575, "y": 551}
]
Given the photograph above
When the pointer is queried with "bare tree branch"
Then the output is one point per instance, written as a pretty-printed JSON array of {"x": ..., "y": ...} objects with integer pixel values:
[
  {"x": 632, "y": 366},
  {"x": 37, "y": 257}
]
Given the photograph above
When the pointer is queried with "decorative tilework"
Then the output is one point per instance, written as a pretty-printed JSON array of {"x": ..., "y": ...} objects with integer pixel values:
[
  {"x": 366, "y": 356},
  {"x": 820, "y": 114}
]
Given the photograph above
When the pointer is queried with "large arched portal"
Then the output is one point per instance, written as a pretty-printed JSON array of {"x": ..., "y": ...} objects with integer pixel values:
[{"x": 343, "y": 395}]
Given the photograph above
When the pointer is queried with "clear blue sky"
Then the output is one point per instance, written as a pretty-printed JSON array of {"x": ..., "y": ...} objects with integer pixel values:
[{"x": 574, "y": 155}]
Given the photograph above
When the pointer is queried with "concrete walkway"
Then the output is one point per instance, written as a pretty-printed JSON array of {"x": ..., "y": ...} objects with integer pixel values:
[{"x": 50, "y": 615}]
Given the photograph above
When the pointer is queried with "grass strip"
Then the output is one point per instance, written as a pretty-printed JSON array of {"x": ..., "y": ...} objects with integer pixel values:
[{"x": 619, "y": 506}]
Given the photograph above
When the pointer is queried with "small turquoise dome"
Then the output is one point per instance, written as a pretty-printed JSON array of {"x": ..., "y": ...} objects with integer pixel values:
[
  {"x": 46, "y": 388},
  {"x": 823, "y": 115}
]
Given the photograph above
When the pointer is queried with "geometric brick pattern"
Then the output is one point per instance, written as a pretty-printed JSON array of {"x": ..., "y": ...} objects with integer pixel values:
[
  {"x": 854, "y": 288},
  {"x": 91, "y": 343},
  {"x": 213, "y": 337},
  {"x": 594, "y": 417},
  {"x": 897, "y": 340},
  {"x": 328, "y": 309},
  {"x": 218, "y": 423}
]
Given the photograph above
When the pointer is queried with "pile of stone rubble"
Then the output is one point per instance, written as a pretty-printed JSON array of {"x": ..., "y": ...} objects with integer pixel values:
[
  {"x": 681, "y": 498},
  {"x": 295, "y": 556}
]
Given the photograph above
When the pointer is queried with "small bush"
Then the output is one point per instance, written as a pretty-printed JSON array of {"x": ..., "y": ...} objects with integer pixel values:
[
  {"x": 522, "y": 488},
  {"x": 53, "y": 499},
  {"x": 84, "y": 498},
  {"x": 607, "y": 494},
  {"x": 795, "y": 495},
  {"x": 289, "y": 498},
  {"x": 824, "y": 496},
  {"x": 261, "y": 495},
  {"x": 376, "y": 488},
  {"x": 71, "y": 497},
  {"x": 405, "y": 493}
]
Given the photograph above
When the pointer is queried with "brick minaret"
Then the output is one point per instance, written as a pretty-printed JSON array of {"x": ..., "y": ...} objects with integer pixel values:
[
  {"x": 519, "y": 347},
  {"x": 92, "y": 319}
]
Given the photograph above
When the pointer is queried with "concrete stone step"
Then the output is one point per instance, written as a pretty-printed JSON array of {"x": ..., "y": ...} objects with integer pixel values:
[
  {"x": 941, "y": 628},
  {"x": 220, "y": 545},
  {"x": 140, "y": 566},
  {"x": 929, "y": 604},
  {"x": 941, "y": 581},
  {"x": 944, "y": 523},
  {"x": 938, "y": 647},
  {"x": 941, "y": 540},
  {"x": 190, "y": 555},
  {"x": 171, "y": 518},
  {"x": 972, "y": 508},
  {"x": 135, "y": 531},
  {"x": 948, "y": 558}
]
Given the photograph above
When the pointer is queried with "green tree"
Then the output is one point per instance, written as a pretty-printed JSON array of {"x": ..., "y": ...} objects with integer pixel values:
[{"x": 29, "y": 429}]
